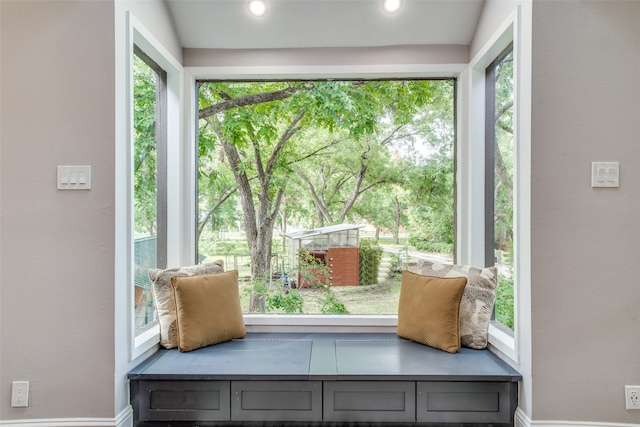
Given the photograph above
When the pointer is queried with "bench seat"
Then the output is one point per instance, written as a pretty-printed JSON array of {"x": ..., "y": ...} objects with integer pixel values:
[{"x": 323, "y": 379}]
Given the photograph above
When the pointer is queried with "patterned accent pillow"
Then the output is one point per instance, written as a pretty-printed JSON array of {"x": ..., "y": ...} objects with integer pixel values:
[
  {"x": 208, "y": 309},
  {"x": 429, "y": 310},
  {"x": 165, "y": 299},
  {"x": 478, "y": 298}
]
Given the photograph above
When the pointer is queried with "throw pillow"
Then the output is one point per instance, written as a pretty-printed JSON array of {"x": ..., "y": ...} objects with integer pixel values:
[
  {"x": 477, "y": 300},
  {"x": 429, "y": 310},
  {"x": 208, "y": 309},
  {"x": 165, "y": 299}
]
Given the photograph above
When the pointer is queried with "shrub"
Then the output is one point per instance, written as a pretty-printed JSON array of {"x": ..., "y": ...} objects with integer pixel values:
[
  {"x": 395, "y": 267},
  {"x": 289, "y": 302},
  {"x": 504, "y": 301},
  {"x": 332, "y": 305},
  {"x": 437, "y": 247},
  {"x": 370, "y": 256}
]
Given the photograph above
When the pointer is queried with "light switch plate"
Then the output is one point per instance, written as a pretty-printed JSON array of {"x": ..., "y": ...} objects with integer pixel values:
[
  {"x": 605, "y": 174},
  {"x": 74, "y": 177}
]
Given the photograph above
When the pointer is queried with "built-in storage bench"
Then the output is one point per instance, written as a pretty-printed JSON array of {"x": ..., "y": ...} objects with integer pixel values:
[{"x": 323, "y": 379}]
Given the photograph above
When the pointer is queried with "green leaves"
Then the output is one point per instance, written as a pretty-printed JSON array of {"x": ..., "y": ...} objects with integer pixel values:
[{"x": 337, "y": 150}]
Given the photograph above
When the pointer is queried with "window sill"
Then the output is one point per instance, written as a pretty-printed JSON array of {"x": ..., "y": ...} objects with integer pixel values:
[
  {"x": 336, "y": 323},
  {"x": 145, "y": 340},
  {"x": 502, "y": 342}
]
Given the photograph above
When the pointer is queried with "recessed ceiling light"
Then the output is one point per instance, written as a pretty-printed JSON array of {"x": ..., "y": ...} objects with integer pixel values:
[
  {"x": 391, "y": 6},
  {"x": 257, "y": 7}
]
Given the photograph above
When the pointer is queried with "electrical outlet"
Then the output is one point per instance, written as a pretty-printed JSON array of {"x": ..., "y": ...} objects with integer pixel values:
[
  {"x": 20, "y": 394},
  {"x": 632, "y": 396}
]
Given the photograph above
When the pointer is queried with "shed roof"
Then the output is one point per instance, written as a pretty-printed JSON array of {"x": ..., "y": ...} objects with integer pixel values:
[{"x": 322, "y": 230}]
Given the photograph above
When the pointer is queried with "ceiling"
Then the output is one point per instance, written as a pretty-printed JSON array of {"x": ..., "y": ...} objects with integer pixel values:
[{"x": 226, "y": 24}]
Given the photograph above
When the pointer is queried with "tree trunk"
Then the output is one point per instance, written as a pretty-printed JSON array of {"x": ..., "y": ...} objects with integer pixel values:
[
  {"x": 322, "y": 211},
  {"x": 258, "y": 220},
  {"x": 396, "y": 231},
  {"x": 283, "y": 226},
  {"x": 319, "y": 216}
]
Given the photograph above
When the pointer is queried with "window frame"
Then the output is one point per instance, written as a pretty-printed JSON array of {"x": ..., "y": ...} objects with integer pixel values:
[
  {"x": 511, "y": 346},
  {"x": 490, "y": 171},
  {"x": 140, "y": 40},
  {"x": 306, "y": 322},
  {"x": 378, "y": 323},
  {"x": 470, "y": 215},
  {"x": 161, "y": 164}
]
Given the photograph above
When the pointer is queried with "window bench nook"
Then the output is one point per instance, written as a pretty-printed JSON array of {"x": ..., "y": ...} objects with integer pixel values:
[{"x": 323, "y": 379}]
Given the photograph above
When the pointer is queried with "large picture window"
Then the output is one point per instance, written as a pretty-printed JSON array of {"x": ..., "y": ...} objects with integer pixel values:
[
  {"x": 291, "y": 173},
  {"x": 499, "y": 184},
  {"x": 149, "y": 182}
]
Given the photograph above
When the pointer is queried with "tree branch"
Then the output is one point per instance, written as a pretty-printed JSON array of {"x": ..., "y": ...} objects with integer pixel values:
[
  {"x": 391, "y": 135},
  {"x": 288, "y": 133},
  {"x": 258, "y": 98},
  {"x": 503, "y": 109},
  {"x": 223, "y": 198},
  {"x": 356, "y": 191},
  {"x": 242, "y": 181},
  {"x": 320, "y": 205},
  {"x": 313, "y": 153}
]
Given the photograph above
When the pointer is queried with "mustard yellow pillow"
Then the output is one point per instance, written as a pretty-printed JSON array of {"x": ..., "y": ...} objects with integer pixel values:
[
  {"x": 477, "y": 302},
  {"x": 207, "y": 309},
  {"x": 165, "y": 300},
  {"x": 429, "y": 310}
]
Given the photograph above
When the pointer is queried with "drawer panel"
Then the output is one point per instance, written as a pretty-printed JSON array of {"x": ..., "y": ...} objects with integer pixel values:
[
  {"x": 460, "y": 402},
  {"x": 276, "y": 401},
  {"x": 185, "y": 400},
  {"x": 369, "y": 401}
]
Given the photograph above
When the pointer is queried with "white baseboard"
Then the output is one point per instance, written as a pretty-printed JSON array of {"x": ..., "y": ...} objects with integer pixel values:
[
  {"x": 123, "y": 419},
  {"x": 523, "y": 420}
]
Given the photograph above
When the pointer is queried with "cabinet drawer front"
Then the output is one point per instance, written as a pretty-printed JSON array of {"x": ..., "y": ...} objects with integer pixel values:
[
  {"x": 276, "y": 401},
  {"x": 460, "y": 402},
  {"x": 184, "y": 400},
  {"x": 369, "y": 401}
]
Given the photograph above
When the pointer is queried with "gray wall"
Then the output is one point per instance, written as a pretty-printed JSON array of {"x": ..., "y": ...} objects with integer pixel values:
[
  {"x": 57, "y": 253},
  {"x": 432, "y": 54},
  {"x": 585, "y": 242}
]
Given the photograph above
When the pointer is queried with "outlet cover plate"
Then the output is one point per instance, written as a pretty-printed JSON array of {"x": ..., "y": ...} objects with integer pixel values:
[
  {"x": 20, "y": 394},
  {"x": 632, "y": 396}
]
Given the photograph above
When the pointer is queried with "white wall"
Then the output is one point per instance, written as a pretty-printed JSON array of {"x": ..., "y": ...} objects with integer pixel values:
[
  {"x": 57, "y": 271},
  {"x": 152, "y": 18},
  {"x": 585, "y": 241},
  {"x": 494, "y": 12}
]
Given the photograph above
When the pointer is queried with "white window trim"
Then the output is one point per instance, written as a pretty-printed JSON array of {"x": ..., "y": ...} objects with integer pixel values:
[
  {"x": 336, "y": 323},
  {"x": 137, "y": 34},
  {"x": 472, "y": 224},
  {"x": 304, "y": 323}
]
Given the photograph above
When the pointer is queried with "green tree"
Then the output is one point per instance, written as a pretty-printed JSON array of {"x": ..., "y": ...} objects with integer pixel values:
[
  {"x": 345, "y": 172},
  {"x": 256, "y": 124},
  {"x": 144, "y": 142}
]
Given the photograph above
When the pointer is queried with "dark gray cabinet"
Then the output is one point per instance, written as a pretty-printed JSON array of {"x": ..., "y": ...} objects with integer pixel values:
[
  {"x": 312, "y": 379},
  {"x": 184, "y": 400},
  {"x": 465, "y": 402},
  {"x": 285, "y": 401},
  {"x": 369, "y": 401}
]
